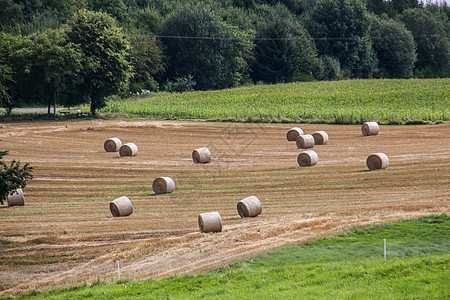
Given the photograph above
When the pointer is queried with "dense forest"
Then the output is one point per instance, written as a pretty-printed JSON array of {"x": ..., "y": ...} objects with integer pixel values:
[{"x": 68, "y": 52}]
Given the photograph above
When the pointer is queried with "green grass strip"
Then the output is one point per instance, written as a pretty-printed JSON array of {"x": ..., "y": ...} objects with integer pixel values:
[
  {"x": 396, "y": 101},
  {"x": 348, "y": 266}
]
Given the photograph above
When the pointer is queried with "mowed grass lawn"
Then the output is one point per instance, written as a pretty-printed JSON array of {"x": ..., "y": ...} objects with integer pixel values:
[
  {"x": 350, "y": 265},
  {"x": 339, "y": 102}
]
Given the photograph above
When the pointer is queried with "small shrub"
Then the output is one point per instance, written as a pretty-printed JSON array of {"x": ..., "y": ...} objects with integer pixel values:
[
  {"x": 181, "y": 84},
  {"x": 12, "y": 177}
]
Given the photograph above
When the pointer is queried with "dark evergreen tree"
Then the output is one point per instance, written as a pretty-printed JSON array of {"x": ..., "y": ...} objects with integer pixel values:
[
  {"x": 433, "y": 45},
  {"x": 341, "y": 30},
  {"x": 398, "y": 6},
  {"x": 284, "y": 51},
  {"x": 394, "y": 46},
  {"x": 200, "y": 44},
  {"x": 115, "y": 8}
]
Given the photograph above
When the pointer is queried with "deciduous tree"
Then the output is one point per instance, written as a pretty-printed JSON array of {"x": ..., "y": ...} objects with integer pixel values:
[
  {"x": 284, "y": 51},
  {"x": 341, "y": 30},
  {"x": 105, "y": 69},
  {"x": 431, "y": 37},
  {"x": 394, "y": 46},
  {"x": 200, "y": 44}
]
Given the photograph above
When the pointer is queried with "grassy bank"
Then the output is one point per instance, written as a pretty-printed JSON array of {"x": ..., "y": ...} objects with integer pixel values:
[
  {"x": 348, "y": 266},
  {"x": 340, "y": 102}
]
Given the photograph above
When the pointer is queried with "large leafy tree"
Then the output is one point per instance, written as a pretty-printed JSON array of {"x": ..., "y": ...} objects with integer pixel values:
[
  {"x": 284, "y": 51},
  {"x": 341, "y": 30},
  {"x": 15, "y": 64},
  {"x": 146, "y": 57},
  {"x": 394, "y": 46},
  {"x": 55, "y": 66},
  {"x": 431, "y": 37},
  {"x": 5, "y": 78},
  {"x": 200, "y": 44},
  {"x": 398, "y": 6},
  {"x": 12, "y": 176},
  {"x": 115, "y": 8},
  {"x": 147, "y": 20},
  {"x": 377, "y": 7},
  {"x": 105, "y": 69}
]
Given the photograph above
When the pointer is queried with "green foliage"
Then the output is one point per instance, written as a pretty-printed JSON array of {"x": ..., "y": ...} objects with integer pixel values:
[
  {"x": 394, "y": 46},
  {"x": 378, "y": 7},
  {"x": 147, "y": 20},
  {"x": 214, "y": 42},
  {"x": 5, "y": 78},
  {"x": 146, "y": 57},
  {"x": 398, "y": 6},
  {"x": 431, "y": 37},
  {"x": 328, "y": 68},
  {"x": 349, "y": 266},
  {"x": 181, "y": 84},
  {"x": 54, "y": 69},
  {"x": 339, "y": 102},
  {"x": 198, "y": 43},
  {"x": 341, "y": 30},
  {"x": 115, "y": 8},
  {"x": 105, "y": 69},
  {"x": 283, "y": 49},
  {"x": 15, "y": 60},
  {"x": 12, "y": 177},
  {"x": 11, "y": 13}
]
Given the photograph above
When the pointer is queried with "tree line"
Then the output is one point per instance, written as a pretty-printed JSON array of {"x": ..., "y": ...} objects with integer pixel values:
[{"x": 69, "y": 52}]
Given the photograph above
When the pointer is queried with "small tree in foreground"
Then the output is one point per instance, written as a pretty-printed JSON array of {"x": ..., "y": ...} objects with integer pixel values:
[{"x": 12, "y": 177}]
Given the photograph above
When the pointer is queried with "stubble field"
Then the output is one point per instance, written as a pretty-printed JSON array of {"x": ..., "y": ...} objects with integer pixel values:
[{"x": 65, "y": 233}]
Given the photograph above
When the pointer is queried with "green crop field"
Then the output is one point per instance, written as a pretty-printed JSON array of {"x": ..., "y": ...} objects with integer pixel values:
[
  {"x": 340, "y": 102},
  {"x": 350, "y": 265}
]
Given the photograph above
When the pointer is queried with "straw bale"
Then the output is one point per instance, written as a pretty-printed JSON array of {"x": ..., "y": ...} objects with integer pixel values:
[
  {"x": 320, "y": 137},
  {"x": 112, "y": 144},
  {"x": 163, "y": 185},
  {"x": 249, "y": 207},
  {"x": 129, "y": 149},
  {"x": 201, "y": 155},
  {"x": 305, "y": 141},
  {"x": 16, "y": 198},
  {"x": 377, "y": 161},
  {"x": 293, "y": 133},
  {"x": 121, "y": 207},
  {"x": 210, "y": 222},
  {"x": 307, "y": 158},
  {"x": 370, "y": 128}
]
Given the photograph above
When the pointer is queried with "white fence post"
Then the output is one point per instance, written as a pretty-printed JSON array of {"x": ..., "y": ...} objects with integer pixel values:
[{"x": 118, "y": 268}]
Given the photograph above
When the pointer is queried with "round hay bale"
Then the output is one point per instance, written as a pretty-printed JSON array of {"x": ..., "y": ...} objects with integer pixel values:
[
  {"x": 163, "y": 185},
  {"x": 320, "y": 137},
  {"x": 305, "y": 141},
  {"x": 210, "y": 222},
  {"x": 112, "y": 144},
  {"x": 129, "y": 149},
  {"x": 16, "y": 198},
  {"x": 201, "y": 155},
  {"x": 249, "y": 207},
  {"x": 121, "y": 207},
  {"x": 293, "y": 133},
  {"x": 377, "y": 161},
  {"x": 307, "y": 158},
  {"x": 370, "y": 128}
]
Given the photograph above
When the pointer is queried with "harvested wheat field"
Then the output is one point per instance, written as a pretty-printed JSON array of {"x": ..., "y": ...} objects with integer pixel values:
[{"x": 65, "y": 234}]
